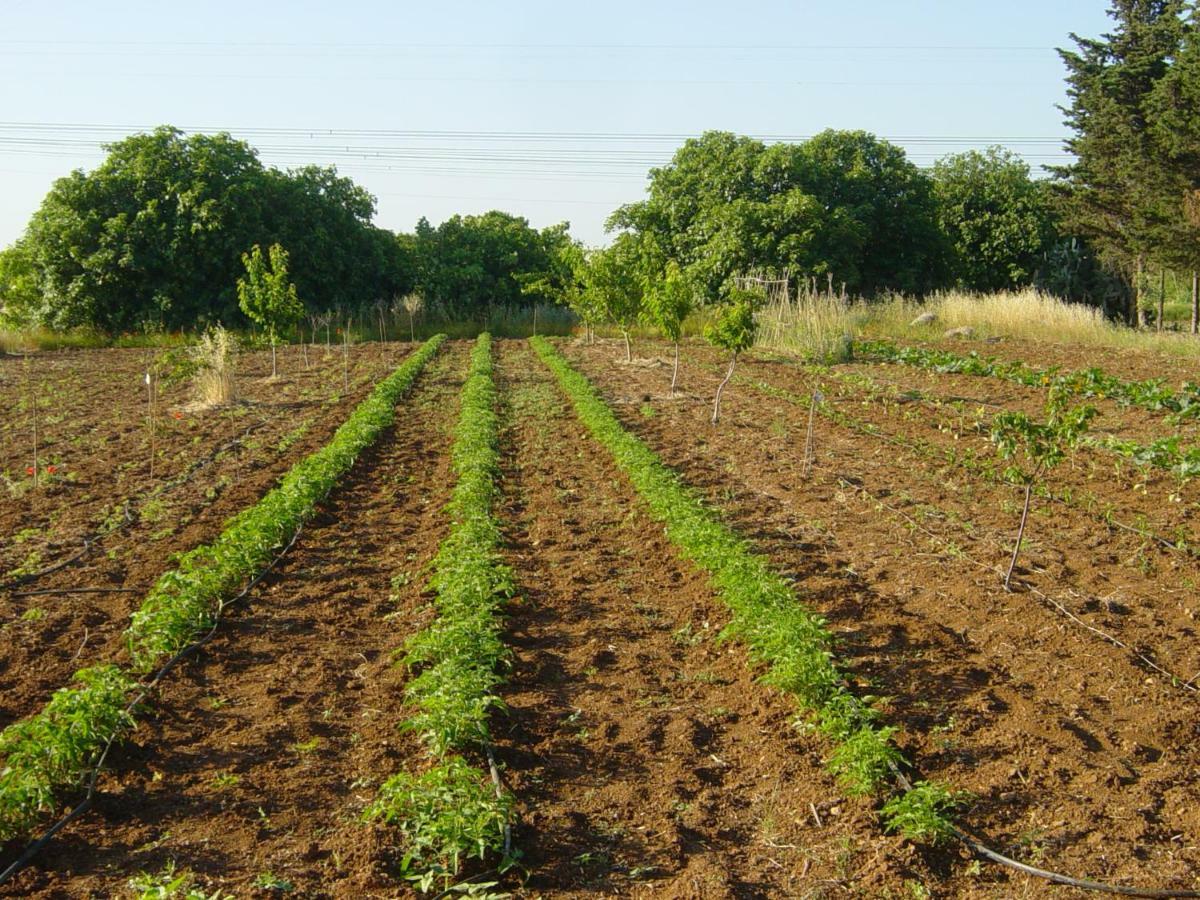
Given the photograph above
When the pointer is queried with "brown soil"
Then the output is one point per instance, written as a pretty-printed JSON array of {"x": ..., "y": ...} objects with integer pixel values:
[
  {"x": 1078, "y": 755},
  {"x": 214, "y": 465},
  {"x": 645, "y": 759},
  {"x": 260, "y": 755}
]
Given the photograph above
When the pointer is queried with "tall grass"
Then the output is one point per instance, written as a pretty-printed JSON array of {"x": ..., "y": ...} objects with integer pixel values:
[
  {"x": 817, "y": 326},
  {"x": 215, "y": 355},
  {"x": 1027, "y": 314}
]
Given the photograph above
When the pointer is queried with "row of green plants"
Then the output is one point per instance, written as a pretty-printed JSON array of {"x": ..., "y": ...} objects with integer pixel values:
[
  {"x": 450, "y": 813},
  {"x": 1092, "y": 384},
  {"x": 53, "y": 751},
  {"x": 791, "y": 641},
  {"x": 1167, "y": 453}
]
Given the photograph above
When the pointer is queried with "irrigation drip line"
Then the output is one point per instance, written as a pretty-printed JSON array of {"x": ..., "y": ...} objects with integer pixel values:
[
  {"x": 1174, "y": 679},
  {"x": 980, "y": 849},
  {"x": 36, "y": 846},
  {"x": 97, "y": 536}
]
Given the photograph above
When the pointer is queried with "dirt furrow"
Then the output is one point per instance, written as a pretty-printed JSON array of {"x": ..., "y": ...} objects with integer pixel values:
[
  {"x": 645, "y": 758},
  {"x": 1077, "y": 758},
  {"x": 256, "y": 762},
  {"x": 48, "y": 636}
]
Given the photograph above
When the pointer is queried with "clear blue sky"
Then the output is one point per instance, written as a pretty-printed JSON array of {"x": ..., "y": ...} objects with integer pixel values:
[{"x": 551, "y": 110}]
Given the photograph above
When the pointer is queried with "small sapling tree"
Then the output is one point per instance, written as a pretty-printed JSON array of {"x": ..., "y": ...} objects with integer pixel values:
[
  {"x": 1034, "y": 448},
  {"x": 732, "y": 329},
  {"x": 266, "y": 295},
  {"x": 413, "y": 304},
  {"x": 668, "y": 301},
  {"x": 615, "y": 286}
]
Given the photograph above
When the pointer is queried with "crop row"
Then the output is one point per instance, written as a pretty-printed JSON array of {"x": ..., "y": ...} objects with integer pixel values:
[
  {"x": 52, "y": 751},
  {"x": 790, "y": 640},
  {"x": 450, "y": 812},
  {"x": 1093, "y": 384}
]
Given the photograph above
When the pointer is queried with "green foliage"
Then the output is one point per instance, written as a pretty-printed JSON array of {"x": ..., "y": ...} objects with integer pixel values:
[
  {"x": 614, "y": 283},
  {"x": 788, "y": 639},
  {"x": 20, "y": 298},
  {"x": 1039, "y": 446},
  {"x": 470, "y": 264},
  {"x": 155, "y": 234},
  {"x": 56, "y": 748},
  {"x": 668, "y": 301},
  {"x": 923, "y": 814},
  {"x": 842, "y": 203},
  {"x": 266, "y": 295},
  {"x": 996, "y": 217},
  {"x": 1118, "y": 193},
  {"x": 732, "y": 327},
  {"x": 445, "y": 816}
]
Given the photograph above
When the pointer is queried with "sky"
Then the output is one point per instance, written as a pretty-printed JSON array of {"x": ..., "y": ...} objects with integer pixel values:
[{"x": 550, "y": 110}]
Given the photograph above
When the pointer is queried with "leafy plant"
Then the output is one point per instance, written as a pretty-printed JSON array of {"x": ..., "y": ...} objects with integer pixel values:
[
  {"x": 668, "y": 301},
  {"x": 1034, "y": 448},
  {"x": 732, "y": 329},
  {"x": 266, "y": 295},
  {"x": 923, "y": 814},
  {"x": 445, "y": 816},
  {"x": 57, "y": 747}
]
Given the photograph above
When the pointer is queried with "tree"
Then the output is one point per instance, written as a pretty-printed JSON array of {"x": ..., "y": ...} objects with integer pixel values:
[
  {"x": 155, "y": 233},
  {"x": 615, "y": 287},
  {"x": 668, "y": 301},
  {"x": 266, "y": 295},
  {"x": 732, "y": 329},
  {"x": 1114, "y": 194},
  {"x": 996, "y": 219},
  {"x": 843, "y": 204},
  {"x": 20, "y": 297}
]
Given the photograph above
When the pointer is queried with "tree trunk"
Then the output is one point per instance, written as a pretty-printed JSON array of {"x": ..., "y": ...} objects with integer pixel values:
[
  {"x": 412, "y": 330},
  {"x": 1196, "y": 303},
  {"x": 1162, "y": 297},
  {"x": 717, "y": 400},
  {"x": 628, "y": 348},
  {"x": 273, "y": 370},
  {"x": 675, "y": 371},
  {"x": 1135, "y": 312},
  {"x": 1020, "y": 536}
]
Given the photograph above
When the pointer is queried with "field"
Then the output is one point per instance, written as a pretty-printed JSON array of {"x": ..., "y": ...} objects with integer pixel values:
[{"x": 643, "y": 753}]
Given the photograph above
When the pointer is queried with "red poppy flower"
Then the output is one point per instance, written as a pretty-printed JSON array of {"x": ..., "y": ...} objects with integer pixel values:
[
  {"x": 29, "y": 470},
  {"x": 51, "y": 469},
  {"x": 178, "y": 414}
]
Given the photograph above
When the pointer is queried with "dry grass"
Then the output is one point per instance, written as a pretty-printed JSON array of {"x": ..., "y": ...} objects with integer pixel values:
[
  {"x": 215, "y": 355},
  {"x": 816, "y": 326},
  {"x": 1028, "y": 315}
]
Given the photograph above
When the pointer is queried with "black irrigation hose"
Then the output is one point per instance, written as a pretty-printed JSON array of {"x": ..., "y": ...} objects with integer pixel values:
[
  {"x": 36, "y": 846},
  {"x": 983, "y": 851}
]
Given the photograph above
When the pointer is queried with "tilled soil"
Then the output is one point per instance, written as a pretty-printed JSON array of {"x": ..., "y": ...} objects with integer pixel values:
[
  {"x": 1078, "y": 757},
  {"x": 260, "y": 754},
  {"x": 645, "y": 759},
  {"x": 217, "y": 463}
]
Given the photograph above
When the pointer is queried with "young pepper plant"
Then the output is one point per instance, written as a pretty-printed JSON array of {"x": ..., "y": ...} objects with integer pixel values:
[{"x": 1034, "y": 448}]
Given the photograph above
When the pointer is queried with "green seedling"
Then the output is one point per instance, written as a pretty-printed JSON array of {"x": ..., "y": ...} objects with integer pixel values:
[{"x": 1034, "y": 448}]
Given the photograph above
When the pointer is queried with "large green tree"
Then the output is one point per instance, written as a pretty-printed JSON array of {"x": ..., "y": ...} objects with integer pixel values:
[
  {"x": 470, "y": 264},
  {"x": 154, "y": 235},
  {"x": 996, "y": 218},
  {"x": 1115, "y": 194},
  {"x": 844, "y": 205}
]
